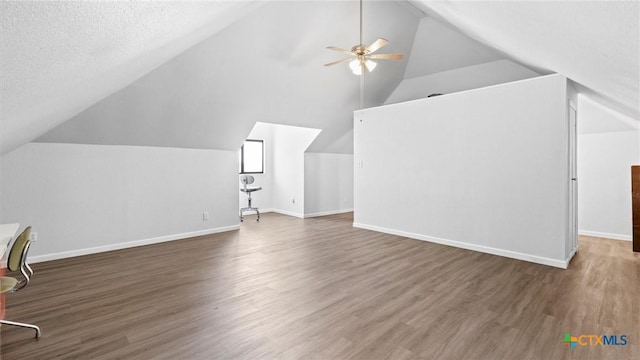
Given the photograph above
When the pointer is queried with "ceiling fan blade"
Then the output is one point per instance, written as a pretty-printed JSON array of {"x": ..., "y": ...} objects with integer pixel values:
[
  {"x": 386, "y": 56},
  {"x": 337, "y": 62},
  {"x": 340, "y": 50},
  {"x": 377, "y": 45}
]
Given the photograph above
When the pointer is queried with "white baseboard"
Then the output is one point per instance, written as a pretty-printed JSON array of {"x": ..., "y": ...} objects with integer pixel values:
[
  {"x": 262, "y": 211},
  {"x": 459, "y": 244},
  {"x": 285, "y": 212},
  {"x": 571, "y": 254},
  {"x": 129, "y": 244},
  {"x": 268, "y": 210},
  {"x": 298, "y": 215},
  {"x": 605, "y": 235},
  {"x": 325, "y": 213}
]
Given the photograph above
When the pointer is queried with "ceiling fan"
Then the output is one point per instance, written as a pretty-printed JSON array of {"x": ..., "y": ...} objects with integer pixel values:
[{"x": 360, "y": 56}]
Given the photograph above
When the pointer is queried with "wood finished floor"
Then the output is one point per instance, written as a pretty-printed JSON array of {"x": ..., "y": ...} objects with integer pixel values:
[{"x": 287, "y": 288}]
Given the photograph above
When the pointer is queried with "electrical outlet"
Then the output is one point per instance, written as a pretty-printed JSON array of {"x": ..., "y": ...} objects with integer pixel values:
[
  {"x": 205, "y": 216},
  {"x": 34, "y": 236},
  {"x": 293, "y": 200}
]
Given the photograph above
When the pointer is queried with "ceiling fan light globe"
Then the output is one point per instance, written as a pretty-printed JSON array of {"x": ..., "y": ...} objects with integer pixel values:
[
  {"x": 371, "y": 65},
  {"x": 355, "y": 67}
]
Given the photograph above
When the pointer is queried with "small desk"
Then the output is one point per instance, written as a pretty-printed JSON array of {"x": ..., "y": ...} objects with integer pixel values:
[{"x": 7, "y": 232}]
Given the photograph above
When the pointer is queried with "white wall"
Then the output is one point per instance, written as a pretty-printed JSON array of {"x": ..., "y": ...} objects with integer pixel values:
[
  {"x": 89, "y": 198},
  {"x": 328, "y": 185},
  {"x": 485, "y": 169},
  {"x": 608, "y": 144},
  {"x": 289, "y": 145}
]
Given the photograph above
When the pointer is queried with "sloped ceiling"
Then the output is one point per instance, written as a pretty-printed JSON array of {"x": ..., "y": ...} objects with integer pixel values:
[
  {"x": 443, "y": 61},
  {"x": 438, "y": 47},
  {"x": 265, "y": 67},
  {"x": 60, "y": 58},
  {"x": 593, "y": 43},
  {"x": 592, "y": 115}
]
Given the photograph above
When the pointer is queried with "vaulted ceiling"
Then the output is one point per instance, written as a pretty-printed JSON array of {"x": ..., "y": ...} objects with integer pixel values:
[
  {"x": 199, "y": 74},
  {"x": 267, "y": 66},
  {"x": 593, "y": 43}
]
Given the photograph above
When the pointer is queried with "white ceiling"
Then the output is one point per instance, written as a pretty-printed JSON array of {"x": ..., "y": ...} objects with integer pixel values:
[
  {"x": 267, "y": 66},
  {"x": 593, "y": 43},
  {"x": 597, "y": 119},
  {"x": 58, "y": 58},
  {"x": 260, "y": 59},
  {"x": 449, "y": 50}
]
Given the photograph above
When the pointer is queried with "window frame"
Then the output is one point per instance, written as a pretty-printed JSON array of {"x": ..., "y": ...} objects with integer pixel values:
[{"x": 242, "y": 157}]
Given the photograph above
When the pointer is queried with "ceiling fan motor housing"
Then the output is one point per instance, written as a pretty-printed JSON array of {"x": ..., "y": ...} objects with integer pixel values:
[{"x": 360, "y": 50}]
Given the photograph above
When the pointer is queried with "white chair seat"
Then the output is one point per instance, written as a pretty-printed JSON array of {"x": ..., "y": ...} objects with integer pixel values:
[{"x": 251, "y": 189}]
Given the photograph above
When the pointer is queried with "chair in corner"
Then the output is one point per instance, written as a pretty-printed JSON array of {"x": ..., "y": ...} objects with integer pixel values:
[
  {"x": 248, "y": 180},
  {"x": 17, "y": 261}
]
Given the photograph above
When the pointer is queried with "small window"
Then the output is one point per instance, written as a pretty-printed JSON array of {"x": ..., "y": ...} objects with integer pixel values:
[{"x": 252, "y": 157}]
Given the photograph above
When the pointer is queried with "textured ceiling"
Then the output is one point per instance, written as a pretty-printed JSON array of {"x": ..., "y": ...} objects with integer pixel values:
[
  {"x": 60, "y": 58},
  {"x": 593, "y": 43},
  {"x": 265, "y": 67}
]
